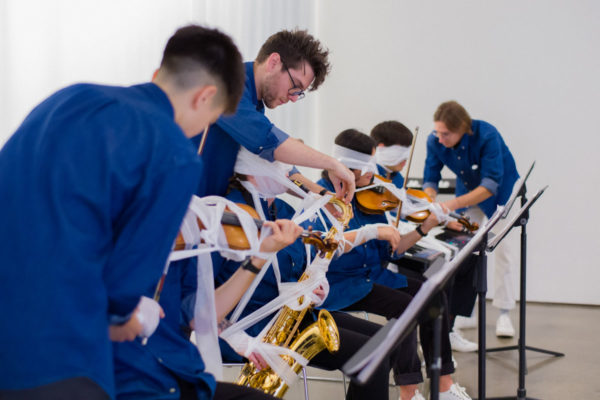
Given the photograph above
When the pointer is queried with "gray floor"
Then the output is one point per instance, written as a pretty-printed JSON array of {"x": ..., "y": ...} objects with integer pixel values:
[{"x": 573, "y": 330}]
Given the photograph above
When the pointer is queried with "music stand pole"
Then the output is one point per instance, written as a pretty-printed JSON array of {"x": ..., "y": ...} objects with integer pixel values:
[
  {"x": 436, "y": 365},
  {"x": 521, "y": 347},
  {"x": 481, "y": 288}
]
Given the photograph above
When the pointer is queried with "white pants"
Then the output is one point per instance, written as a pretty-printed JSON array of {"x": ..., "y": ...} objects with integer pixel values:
[{"x": 504, "y": 261}]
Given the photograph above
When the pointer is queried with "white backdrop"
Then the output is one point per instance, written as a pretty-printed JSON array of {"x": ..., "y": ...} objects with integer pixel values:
[{"x": 530, "y": 68}]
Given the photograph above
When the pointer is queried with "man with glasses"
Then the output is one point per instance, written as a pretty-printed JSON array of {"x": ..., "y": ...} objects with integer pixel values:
[{"x": 288, "y": 64}]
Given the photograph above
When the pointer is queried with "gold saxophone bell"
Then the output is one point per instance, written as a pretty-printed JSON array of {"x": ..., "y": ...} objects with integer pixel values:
[{"x": 320, "y": 335}]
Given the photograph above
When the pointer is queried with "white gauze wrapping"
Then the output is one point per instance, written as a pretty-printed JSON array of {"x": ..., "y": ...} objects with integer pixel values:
[
  {"x": 250, "y": 164},
  {"x": 289, "y": 294},
  {"x": 391, "y": 155},
  {"x": 210, "y": 210},
  {"x": 148, "y": 314},
  {"x": 354, "y": 159}
]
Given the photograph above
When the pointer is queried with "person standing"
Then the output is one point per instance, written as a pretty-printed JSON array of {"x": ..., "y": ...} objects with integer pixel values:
[
  {"x": 486, "y": 173},
  {"x": 288, "y": 64},
  {"x": 95, "y": 183}
]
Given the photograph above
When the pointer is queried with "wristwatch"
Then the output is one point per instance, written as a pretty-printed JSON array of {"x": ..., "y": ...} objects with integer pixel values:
[
  {"x": 247, "y": 265},
  {"x": 420, "y": 231}
]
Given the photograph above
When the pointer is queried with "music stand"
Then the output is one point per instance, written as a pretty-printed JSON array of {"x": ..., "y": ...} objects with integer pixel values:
[
  {"x": 521, "y": 219},
  {"x": 362, "y": 365}
]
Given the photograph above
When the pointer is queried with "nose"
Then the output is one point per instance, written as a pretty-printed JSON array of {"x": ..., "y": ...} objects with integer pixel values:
[{"x": 292, "y": 98}]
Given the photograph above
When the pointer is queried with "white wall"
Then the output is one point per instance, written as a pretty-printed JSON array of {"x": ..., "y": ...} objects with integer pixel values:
[{"x": 530, "y": 68}]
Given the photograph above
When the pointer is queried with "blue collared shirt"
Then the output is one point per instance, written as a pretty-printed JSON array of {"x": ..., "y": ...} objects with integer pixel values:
[
  {"x": 248, "y": 127},
  {"x": 292, "y": 261},
  {"x": 351, "y": 276},
  {"x": 480, "y": 159},
  {"x": 93, "y": 187},
  {"x": 148, "y": 372}
]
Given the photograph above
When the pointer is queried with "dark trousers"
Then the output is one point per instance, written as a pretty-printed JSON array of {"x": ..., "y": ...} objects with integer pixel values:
[
  {"x": 354, "y": 333},
  {"x": 461, "y": 291},
  {"x": 66, "y": 389},
  {"x": 390, "y": 303},
  {"x": 224, "y": 391}
]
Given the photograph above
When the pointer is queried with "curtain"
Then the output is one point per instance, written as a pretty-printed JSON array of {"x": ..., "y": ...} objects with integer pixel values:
[{"x": 47, "y": 45}]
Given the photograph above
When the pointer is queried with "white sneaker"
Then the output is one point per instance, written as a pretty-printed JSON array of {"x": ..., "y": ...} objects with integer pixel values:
[
  {"x": 456, "y": 392},
  {"x": 504, "y": 327},
  {"x": 417, "y": 396},
  {"x": 459, "y": 343},
  {"x": 461, "y": 322}
]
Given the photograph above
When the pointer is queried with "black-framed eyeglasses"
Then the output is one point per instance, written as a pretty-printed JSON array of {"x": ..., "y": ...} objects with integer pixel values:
[{"x": 295, "y": 90}]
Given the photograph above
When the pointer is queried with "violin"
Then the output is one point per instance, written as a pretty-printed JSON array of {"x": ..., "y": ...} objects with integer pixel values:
[
  {"x": 376, "y": 200},
  {"x": 236, "y": 237},
  {"x": 421, "y": 216}
]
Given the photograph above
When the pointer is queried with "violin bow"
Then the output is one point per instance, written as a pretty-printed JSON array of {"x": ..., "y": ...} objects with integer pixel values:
[{"x": 412, "y": 150}]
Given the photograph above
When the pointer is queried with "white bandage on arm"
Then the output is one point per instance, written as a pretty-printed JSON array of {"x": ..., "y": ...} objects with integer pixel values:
[
  {"x": 439, "y": 212},
  {"x": 364, "y": 234},
  {"x": 148, "y": 314}
]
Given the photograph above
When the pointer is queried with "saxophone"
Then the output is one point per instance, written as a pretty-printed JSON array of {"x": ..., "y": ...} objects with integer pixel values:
[{"x": 320, "y": 335}]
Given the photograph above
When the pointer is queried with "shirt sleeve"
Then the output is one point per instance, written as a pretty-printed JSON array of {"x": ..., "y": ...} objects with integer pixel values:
[
  {"x": 143, "y": 240},
  {"x": 491, "y": 163},
  {"x": 253, "y": 130},
  {"x": 433, "y": 165}
]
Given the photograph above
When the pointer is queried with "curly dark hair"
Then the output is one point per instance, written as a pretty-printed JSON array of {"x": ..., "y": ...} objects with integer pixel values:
[
  {"x": 295, "y": 47},
  {"x": 194, "y": 49}
]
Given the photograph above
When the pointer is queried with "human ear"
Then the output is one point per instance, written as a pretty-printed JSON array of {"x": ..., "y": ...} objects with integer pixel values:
[
  {"x": 273, "y": 62},
  {"x": 203, "y": 95}
]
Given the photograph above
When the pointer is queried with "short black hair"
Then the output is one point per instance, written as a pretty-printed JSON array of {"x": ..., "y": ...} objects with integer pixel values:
[
  {"x": 295, "y": 47},
  {"x": 193, "y": 49},
  {"x": 355, "y": 140},
  {"x": 392, "y": 133}
]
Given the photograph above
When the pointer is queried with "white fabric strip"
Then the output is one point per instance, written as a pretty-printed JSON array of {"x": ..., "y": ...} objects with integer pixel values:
[
  {"x": 391, "y": 155},
  {"x": 243, "y": 343},
  {"x": 354, "y": 159}
]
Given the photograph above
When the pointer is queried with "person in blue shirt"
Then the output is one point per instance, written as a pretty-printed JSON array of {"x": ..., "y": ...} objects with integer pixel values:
[
  {"x": 375, "y": 288},
  {"x": 486, "y": 172},
  {"x": 288, "y": 64},
  {"x": 95, "y": 183},
  {"x": 393, "y": 140},
  {"x": 354, "y": 332}
]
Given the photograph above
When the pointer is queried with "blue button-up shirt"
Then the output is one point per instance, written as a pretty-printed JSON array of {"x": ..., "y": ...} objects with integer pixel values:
[
  {"x": 148, "y": 372},
  {"x": 351, "y": 276},
  {"x": 292, "y": 261},
  {"x": 93, "y": 187},
  {"x": 248, "y": 127},
  {"x": 480, "y": 159}
]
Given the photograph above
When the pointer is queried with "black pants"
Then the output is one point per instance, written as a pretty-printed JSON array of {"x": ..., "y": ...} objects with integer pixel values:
[
  {"x": 67, "y": 389},
  {"x": 224, "y": 391},
  {"x": 461, "y": 291},
  {"x": 390, "y": 303},
  {"x": 354, "y": 333}
]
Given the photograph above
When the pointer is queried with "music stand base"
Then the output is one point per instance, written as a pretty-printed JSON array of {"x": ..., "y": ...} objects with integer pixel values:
[{"x": 516, "y": 347}]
